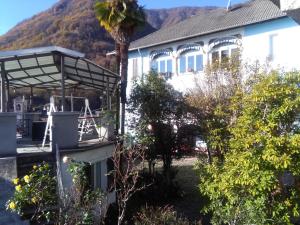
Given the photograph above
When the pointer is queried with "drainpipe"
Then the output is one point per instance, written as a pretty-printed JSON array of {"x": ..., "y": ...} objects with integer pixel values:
[{"x": 142, "y": 65}]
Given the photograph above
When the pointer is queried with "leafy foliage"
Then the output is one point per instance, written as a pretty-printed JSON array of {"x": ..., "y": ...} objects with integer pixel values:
[
  {"x": 215, "y": 104},
  {"x": 156, "y": 107},
  {"x": 257, "y": 182},
  {"x": 120, "y": 18},
  {"x": 36, "y": 191}
]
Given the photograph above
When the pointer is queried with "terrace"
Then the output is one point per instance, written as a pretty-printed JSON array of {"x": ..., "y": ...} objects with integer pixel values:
[{"x": 60, "y": 72}]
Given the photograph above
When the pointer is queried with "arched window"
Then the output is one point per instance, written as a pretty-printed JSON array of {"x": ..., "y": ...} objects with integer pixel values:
[
  {"x": 162, "y": 62},
  {"x": 221, "y": 49},
  {"x": 190, "y": 58}
]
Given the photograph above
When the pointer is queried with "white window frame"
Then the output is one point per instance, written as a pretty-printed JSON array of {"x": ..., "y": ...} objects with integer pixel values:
[
  {"x": 187, "y": 55},
  {"x": 228, "y": 48},
  {"x": 163, "y": 58}
]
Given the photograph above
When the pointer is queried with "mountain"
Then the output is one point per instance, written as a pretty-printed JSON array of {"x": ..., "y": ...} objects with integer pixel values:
[
  {"x": 72, "y": 24},
  {"x": 159, "y": 18}
]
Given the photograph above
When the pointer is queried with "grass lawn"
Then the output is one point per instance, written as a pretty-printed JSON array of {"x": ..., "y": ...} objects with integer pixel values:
[{"x": 191, "y": 202}]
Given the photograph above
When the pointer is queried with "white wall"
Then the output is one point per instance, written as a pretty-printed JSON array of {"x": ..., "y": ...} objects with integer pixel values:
[
  {"x": 255, "y": 45},
  {"x": 181, "y": 82},
  {"x": 289, "y": 4},
  {"x": 286, "y": 47}
]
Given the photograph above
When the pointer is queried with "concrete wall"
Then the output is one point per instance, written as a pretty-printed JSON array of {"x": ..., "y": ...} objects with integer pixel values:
[
  {"x": 8, "y": 168},
  {"x": 91, "y": 156},
  {"x": 65, "y": 130},
  {"x": 8, "y": 142}
]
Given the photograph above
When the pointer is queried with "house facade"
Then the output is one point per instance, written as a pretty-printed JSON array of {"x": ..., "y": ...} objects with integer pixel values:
[{"x": 264, "y": 31}]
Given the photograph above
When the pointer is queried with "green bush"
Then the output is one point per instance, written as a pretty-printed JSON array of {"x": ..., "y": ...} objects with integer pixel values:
[
  {"x": 36, "y": 193},
  {"x": 257, "y": 180}
]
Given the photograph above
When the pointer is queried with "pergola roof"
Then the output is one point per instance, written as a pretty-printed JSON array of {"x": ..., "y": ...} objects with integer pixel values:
[{"x": 41, "y": 68}]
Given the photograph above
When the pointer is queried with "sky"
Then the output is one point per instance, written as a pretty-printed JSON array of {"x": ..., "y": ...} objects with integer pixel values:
[{"x": 14, "y": 11}]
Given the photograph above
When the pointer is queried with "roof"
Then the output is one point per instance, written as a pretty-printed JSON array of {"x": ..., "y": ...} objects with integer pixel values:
[
  {"x": 295, "y": 14},
  {"x": 251, "y": 12},
  {"x": 41, "y": 68}
]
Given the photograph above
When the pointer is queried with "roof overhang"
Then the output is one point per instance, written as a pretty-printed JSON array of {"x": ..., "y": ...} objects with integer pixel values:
[{"x": 48, "y": 67}]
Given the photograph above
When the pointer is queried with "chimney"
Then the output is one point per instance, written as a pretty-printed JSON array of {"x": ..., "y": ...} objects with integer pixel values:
[{"x": 286, "y": 5}]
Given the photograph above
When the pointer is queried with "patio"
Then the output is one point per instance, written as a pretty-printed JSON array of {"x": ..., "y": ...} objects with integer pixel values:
[{"x": 55, "y": 69}]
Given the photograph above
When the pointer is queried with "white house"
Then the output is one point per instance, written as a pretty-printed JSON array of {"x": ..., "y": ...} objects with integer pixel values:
[{"x": 263, "y": 30}]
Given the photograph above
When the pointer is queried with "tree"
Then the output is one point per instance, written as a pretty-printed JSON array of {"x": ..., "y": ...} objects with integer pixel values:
[
  {"x": 128, "y": 164},
  {"x": 156, "y": 105},
  {"x": 257, "y": 182},
  {"x": 121, "y": 18},
  {"x": 214, "y": 103}
]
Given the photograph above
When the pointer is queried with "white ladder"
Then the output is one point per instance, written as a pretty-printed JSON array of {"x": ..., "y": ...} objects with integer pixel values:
[
  {"x": 88, "y": 121},
  {"x": 49, "y": 122}
]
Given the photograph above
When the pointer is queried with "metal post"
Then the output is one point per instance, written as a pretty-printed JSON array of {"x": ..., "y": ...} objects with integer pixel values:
[
  {"x": 72, "y": 103},
  {"x": 107, "y": 93},
  {"x": 7, "y": 94},
  {"x": 2, "y": 102},
  {"x": 62, "y": 68},
  {"x": 31, "y": 99},
  {"x": 118, "y": 109}
]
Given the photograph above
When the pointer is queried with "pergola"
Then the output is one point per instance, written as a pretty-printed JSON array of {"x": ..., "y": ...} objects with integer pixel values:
[{"x": 51, "y": 68}]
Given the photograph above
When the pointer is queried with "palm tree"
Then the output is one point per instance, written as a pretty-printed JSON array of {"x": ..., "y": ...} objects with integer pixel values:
[{"x": 121, "y": 18}]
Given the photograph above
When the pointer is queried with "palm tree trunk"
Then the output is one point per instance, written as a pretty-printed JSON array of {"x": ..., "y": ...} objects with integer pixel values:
[
  {"x": 118, "y": 57},
  {"x": 123, "y": 73}
]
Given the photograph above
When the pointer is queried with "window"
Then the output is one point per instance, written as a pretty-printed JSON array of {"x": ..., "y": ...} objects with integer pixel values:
[
  {"x": 190, "y": 63},
  {"x": 154, "y": 66},
  {"x": 224, "y": 55},
  {"x": 110, "y": 176},
  {"x": 134, "y": 68},
  {"x": 272, "y": 46},
  {"x": 162, "y": 66},
  {"x": 215, "y": 57},
  {"x": 97, "y": 168},
  {"x": 95, "y": 175},
  {"x": 182, "y": 64},
  {"x": 235, "y": 54},
  {"x": 199, "y": 62},
  {"x": 169, "y": 66}
]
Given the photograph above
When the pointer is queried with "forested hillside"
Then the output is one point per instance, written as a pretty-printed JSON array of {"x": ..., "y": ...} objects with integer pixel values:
[{"x": 72, "y": 24}]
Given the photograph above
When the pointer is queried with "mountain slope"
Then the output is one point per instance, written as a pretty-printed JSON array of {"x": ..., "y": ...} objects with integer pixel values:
[{"x": 72, "y": 24}]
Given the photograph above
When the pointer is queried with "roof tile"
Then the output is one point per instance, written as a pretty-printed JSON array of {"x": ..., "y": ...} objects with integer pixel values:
[{"x": 251, "y": 12}]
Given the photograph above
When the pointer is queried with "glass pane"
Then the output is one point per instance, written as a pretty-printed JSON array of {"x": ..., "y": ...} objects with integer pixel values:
[
  {"x": 162, "y": 66},
  {"x": 182, "y": 64},
  {"x": 154, "y": 65},
  {"x": 215, "y": 57},
  {"x": 224, "y": 55},
  {"x": 169, "y": 66},
  {"x": 272, "y": 44},
  {"x": 235, "y": 54},
  {"x": 98, "y": 175},
  {"x": 191, "y": 63},
  {"x": 199, "y": 62}
]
